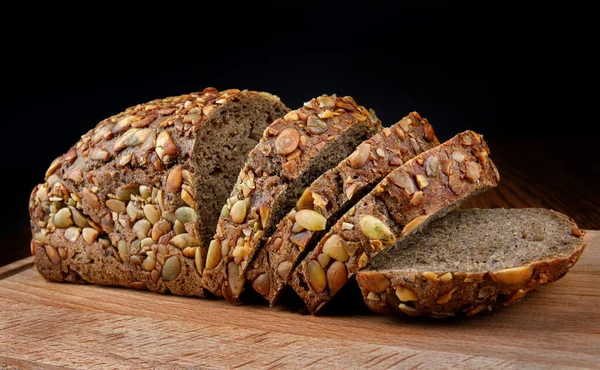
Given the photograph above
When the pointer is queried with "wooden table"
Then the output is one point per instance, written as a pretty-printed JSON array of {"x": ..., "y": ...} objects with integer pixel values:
[{"x": 45, "y": 324}]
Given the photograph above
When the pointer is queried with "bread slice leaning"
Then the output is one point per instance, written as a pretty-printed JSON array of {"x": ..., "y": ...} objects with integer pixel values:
[
  {"x": 130, "y": 203},
  {"x": 293, "y": 152},
  {"x": 472, "y": 260},
  {"x": 330, "y": 196},
  {"x": 414, "y": 194}
]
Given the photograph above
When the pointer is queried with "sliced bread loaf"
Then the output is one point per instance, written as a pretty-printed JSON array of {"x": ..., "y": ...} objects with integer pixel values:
[
  {"x": 130, "y": 204},
  {"x": 472, "y": 260},
  {"x": 421, "y": 190},
  {"x": 292, "y": 153},
  {"x": 330, "y": 196}
]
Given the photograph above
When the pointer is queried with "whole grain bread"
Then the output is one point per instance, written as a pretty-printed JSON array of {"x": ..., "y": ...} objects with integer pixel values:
[
  {"x": 292, "y": 153},
  {"x": 131, "y": 203},
  {"x": 331, "y": 195},
  {"x": 472, "y": 260},
  {"x": 416, "y": 193}
]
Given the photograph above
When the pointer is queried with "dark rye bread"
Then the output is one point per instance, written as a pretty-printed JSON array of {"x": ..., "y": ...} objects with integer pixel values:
[
  {"x": 472, "y": 260},
  {"x": 411, "y": 196},
  {"x": 329, "y": 196},
  {"x": 130, "y": 204},
  {"x": 293, "y": 152}
]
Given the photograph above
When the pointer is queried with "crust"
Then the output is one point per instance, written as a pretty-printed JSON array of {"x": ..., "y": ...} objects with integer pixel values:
[
  {"x": 410, "y": 197},
  {"x": 332, "y": 193},
  {"x": 464, "y": 293},
  {"x": 286, "y": 150},
  {"x": 129, "y": 178}
]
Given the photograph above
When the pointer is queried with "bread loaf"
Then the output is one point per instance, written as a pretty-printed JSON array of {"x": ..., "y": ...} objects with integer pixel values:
[
  {"x": 132, "y": 203},
  {"x": 472, "y": 260},
  {"x": 292, "y": 153},
  {"x": 414, "y": 194},
  {"x": 331, "y": 195}
]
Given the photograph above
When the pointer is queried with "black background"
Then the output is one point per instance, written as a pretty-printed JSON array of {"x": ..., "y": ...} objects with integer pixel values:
[{"x": 502, "y": 70}]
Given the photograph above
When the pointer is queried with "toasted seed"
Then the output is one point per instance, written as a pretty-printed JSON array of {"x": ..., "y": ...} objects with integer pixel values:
[
  {"x": 402, "y": 180},
  {"x": 347, "y": 226},
  {"x": 306, "y": 200},
  {"x": 145, "y": 191},
  {"x": 72, "y": 234},
  {"x": 417, "y": 199},
  {"x": 445, "y": 298},
  {"x": 186, "y": 214},
  {"x": 373, "y": 281},
  {"x": 150, "y": 262},
  {"x": 90, "y": 234},
  {"x": 334, "y": 248},
  {"x": 363, "y": 260},
  {"x": 473, "y": 171},
  {"x": 241, "y": 250},
  {"x": 100, "y": 154},
  {"x": 160, "y": 228},
  {"x": 296, "y": 228},
  {"x": 284, "y": 269},
  {"x": 142, "y": 228},
  {"x": 125, "y": 192},
  {"x": 52, "y": 254},
  {"x": 337, "y": 276},
  {"x": 262, "y": 284},
  {"x": 410, "y": 311},
  {"x": 238, "y": 212},
  {"x": 187, "y": 198},
  {"x": 91, "y": 198},
  {"x": 374, "y": 228},
  {"x": 513, "y": 275},
  {"x": 224, "y": 211},
  {"x": 326, "y": 101},
  {"x": 146, "y": 242},
  {"x": 360, "y": 156},
  {"x": 123, "y": 249},
  {"x": 311, "y": 220},
  {"x": 165, "y": 147},
  {"x": 178, "y": 227},
  {"x": 115, "y": 205},
  {"x": 413, "y": 224},
  {"x": 174, "y": 179},
  {"x": 185, "y": 240},
  {"x": 62, "y": 252},
  {"x": 316, "y": 276},
  {"x": 323, "y": 259},
  {"x": 291, "y": 116},
  {"x": 236, "y": 282},
  {"x": 171, "y": 269},
  {"x": 446, "y": 277},
  {"x": 63, "y": 218},
  {"x": 404, "y": 294},
  {"x": 151, "y": 213},
  {"x": 315, "y": 126},
  {"x": 198, "y": 260},
  {"x": 301, "y": 239},
  {"x": 214, "y": 254},
  {"x": 287, "y": 141},
  {"x": 373, "y": 296},
  {"x": 458, "y": 156},
  {"x": 421, "y": 181},
  {"x": 78, "y": 218},
  {"x": 264, "y": 214}
]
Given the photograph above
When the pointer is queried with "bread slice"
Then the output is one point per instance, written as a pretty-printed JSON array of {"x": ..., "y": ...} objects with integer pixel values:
[
  {"x": 331, "y": 195},
  {"x": 472, "y": 260},
  {"x": 130, "y": 204},
  {"x": 292, "y": 153},
  {"x": 423, "y": 189}
]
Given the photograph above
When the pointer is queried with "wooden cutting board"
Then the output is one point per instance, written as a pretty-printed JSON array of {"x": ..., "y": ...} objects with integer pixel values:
[{"x": 45, "y": 325}]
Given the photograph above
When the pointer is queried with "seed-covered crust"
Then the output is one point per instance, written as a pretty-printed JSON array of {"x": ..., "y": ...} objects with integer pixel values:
[
  {"x": 119, "y": 207},
  {"x": 411, "y": 196},
  {"x": 293, "y": 150},
  {"x": 332, "y": 192},
  {"x": 448, "y": 293}
]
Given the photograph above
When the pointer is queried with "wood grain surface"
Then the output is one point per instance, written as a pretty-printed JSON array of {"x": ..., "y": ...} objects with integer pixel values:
[{"x": 50, "y": 325}]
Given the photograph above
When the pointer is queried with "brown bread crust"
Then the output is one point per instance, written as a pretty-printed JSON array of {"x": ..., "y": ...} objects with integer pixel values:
[
  {"x": 410, "y": 197},
  {"x": 331, "y": 194},
  {"x": 293, "y": 151},
  {"x": 448, "y": 293},
  {"x": 119, "y": 207}
]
